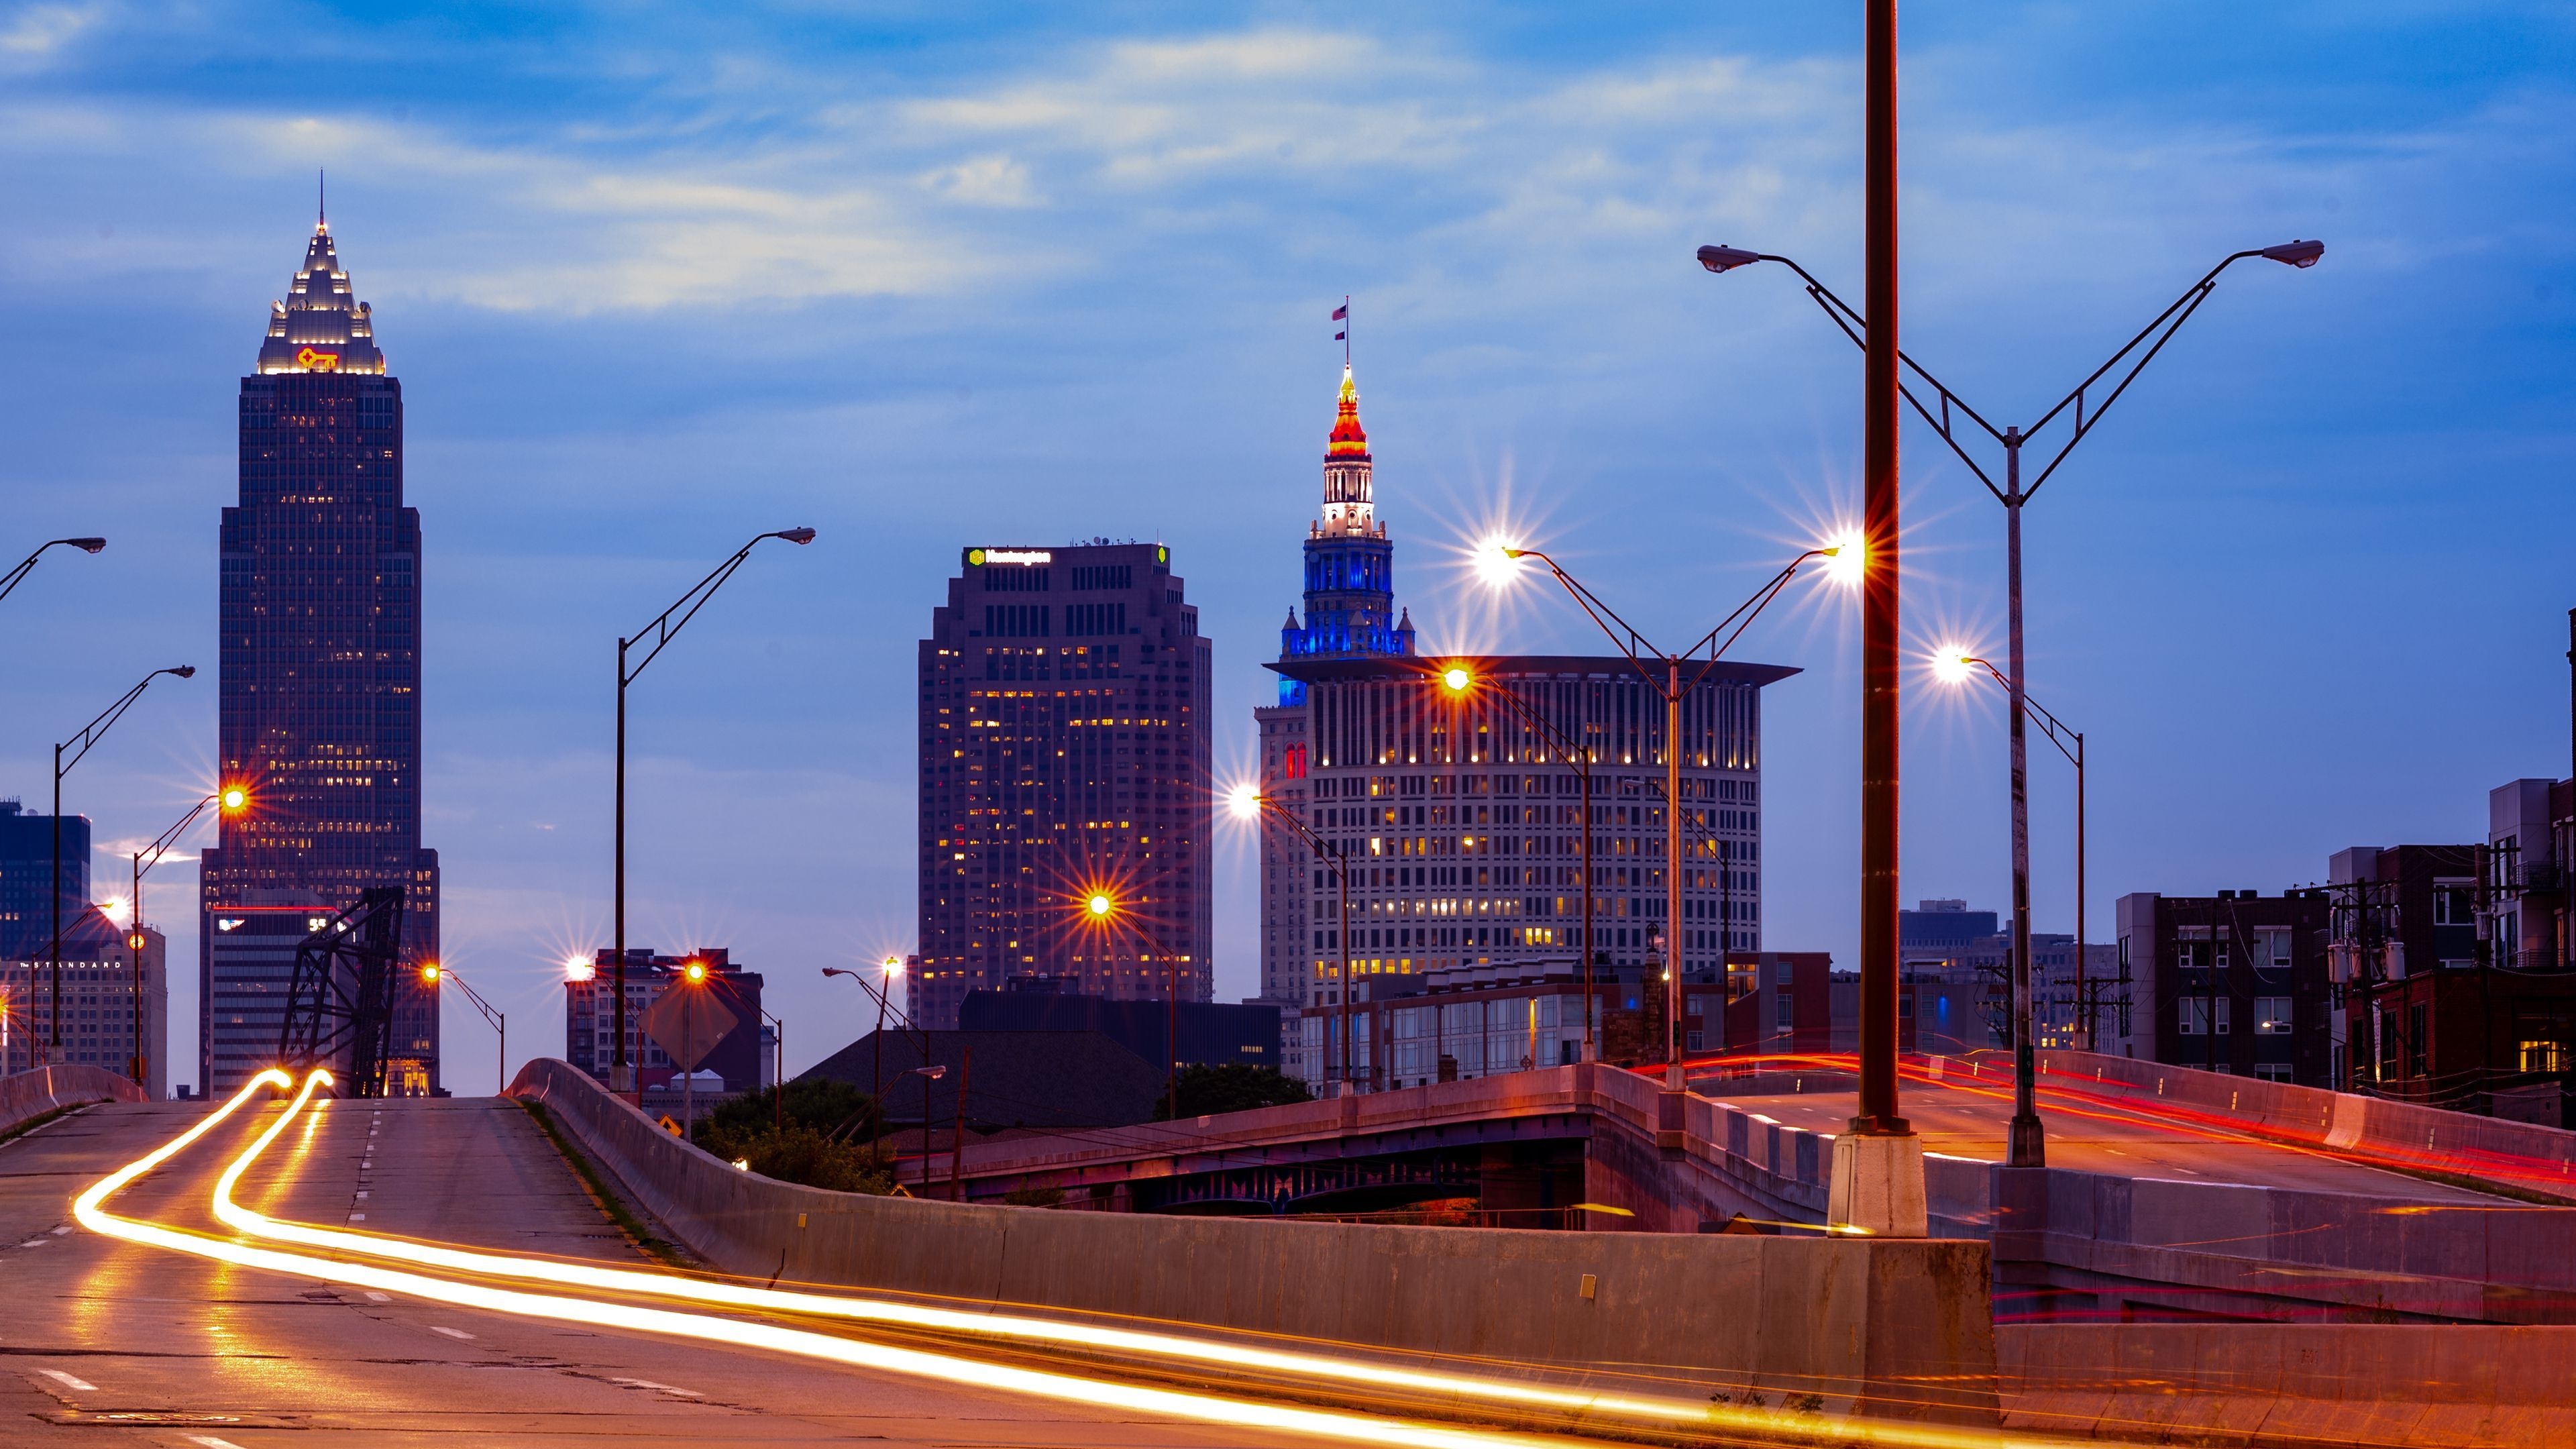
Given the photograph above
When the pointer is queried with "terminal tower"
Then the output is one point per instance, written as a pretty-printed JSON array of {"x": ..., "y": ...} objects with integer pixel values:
[{"x": 1350, "y": 614}]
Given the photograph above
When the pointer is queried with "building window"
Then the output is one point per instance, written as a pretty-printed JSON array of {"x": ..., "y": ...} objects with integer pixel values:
[
  {"x": 2271, "y": 1016},
  {"x": 2272, "y": 1071},
  {"x": 2454, "y": 905},
  {"x": 2195, "y": 1015},
  {"x": 2418, "y": 1050},
  {"x": 2544, "y": 1056},
  {"x": 1788, "y": 1010}
]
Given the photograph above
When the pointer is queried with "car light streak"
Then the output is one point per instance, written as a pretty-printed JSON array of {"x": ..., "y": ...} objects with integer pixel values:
[
  {"x": 943, "y": 1368},
  {"x": 1468, "y": 1388}
]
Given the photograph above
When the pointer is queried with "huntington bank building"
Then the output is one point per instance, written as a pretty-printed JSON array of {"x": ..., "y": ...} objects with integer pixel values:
[
  {"x": 1064, "y": 751},
  {"x": 1459, "y": 825}
]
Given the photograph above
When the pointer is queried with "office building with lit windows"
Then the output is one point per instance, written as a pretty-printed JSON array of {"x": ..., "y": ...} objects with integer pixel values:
[
  {"x": 320, "y": 682},
  {"x": 1064, "y": 751}
]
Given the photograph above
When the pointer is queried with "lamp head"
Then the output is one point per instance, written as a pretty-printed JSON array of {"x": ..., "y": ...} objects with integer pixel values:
[
  {"x": 1243, "y": 802},
  {"x": 893, "y": 965},
  {"x": 1457, "y": 679},
  {"x": 87, "y": 545},
  {"x": 695, "y": 970},
  {"x": 1726, "y": 259},
  {"x": 429, "y": 972},
  {"x": 1100, "y": 905},
  {"x": 2296, "y": 253},
  {"x": 1952, "y": 664},
  {"x": 1846, "y": 557},
  {"x": 795, "y": 535},
  {"x": 135, "y": 941},
  {"x": 233, "y": 798},
  {"x": 184, "y": 671}
]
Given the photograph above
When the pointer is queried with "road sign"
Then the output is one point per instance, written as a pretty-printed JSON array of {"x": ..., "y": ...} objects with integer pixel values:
[{"x": 687, "y": 1023}]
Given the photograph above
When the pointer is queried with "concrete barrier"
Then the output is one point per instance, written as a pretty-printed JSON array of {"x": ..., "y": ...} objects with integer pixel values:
[
  {"x": 2453, "y": 1386},
  {"x": 1885, "y": 1328},
  {"x": 33, "y": 1094}
]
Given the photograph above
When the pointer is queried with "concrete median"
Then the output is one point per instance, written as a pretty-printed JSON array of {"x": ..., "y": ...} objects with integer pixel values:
[{"x": 1834, "y": 1326}]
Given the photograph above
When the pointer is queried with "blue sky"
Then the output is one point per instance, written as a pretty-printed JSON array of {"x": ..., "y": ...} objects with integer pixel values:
[{"x": 658, "y": 278}]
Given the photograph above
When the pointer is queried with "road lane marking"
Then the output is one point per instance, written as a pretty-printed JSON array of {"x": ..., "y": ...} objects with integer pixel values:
[
  {"x": 69, "y": 1381},
  {"x": 658, "y": 1388},
  {"x": 357, "y": 1217},
  {"x": 64, "y": 1228},
  {"x": 452, "y": 1332},
  {"x": 209, "y": 1441},
  {"x": 35, "y": 1242},
  {"x": 380, "y": 1297}
]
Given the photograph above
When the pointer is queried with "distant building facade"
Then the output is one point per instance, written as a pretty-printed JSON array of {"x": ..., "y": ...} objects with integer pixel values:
[
  {"x": 320, "y": 711},
  {"x": 740, "y": 1057},
  {"x": 1065, "y": 749},
  {"x": 1209, "y": 1032},
  {"x": 26, "y": 858},
  {"x": 2236, "y": 982},
  {"x": 99, "y": 1022}
]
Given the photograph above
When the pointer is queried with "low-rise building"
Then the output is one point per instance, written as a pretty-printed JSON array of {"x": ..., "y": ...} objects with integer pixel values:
[
  {"x": 99, "y": 1020},
  {"x": 2235, "y": 982},
  {"x": 590, "y": 1035}
]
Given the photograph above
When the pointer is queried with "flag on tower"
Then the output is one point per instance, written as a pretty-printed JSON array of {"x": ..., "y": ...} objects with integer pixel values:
[{"x": 1341, "y": 311}]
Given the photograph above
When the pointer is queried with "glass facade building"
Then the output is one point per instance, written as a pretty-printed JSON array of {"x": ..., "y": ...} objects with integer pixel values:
[
  {"x": 1064, "y": 750},
  {"x": 320, "y": 697}
]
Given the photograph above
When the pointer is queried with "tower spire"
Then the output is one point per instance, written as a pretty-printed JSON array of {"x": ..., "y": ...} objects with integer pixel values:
[{"x": 321, "y": 201}]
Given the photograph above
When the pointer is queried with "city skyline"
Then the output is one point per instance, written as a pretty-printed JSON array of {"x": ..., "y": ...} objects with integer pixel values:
[{"x": 2250, "y": 510}]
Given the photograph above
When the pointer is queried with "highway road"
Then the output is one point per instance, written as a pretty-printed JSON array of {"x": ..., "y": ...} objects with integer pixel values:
[
  {"x": 1967, "y": 1119},
  {"x": 110, "y": 1342}
]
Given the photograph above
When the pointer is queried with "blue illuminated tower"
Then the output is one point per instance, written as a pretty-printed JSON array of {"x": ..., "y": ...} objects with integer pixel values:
[
  {"x": 1350, "y": 614},
  {"x": 1350, "y": 567}
]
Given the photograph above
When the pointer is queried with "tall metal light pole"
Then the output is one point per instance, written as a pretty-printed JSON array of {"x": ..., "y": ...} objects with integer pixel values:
[
  {"x": 9, "y": 580},
  {"x": 1100, "y": 909},
  {"x": 79, "y": 745},
  {"x": 2070, "y": 743},
  {"x": 233, "y": 799},
  {"x": 658, "y": 633},
  {"x": 1673, "y": 691},
  {"x": 2028, "y": 1146},
  {"x": 1251, "y": 804},
  {"x": 892, "y": 967},
  {"x": 1461, "y": 680}
]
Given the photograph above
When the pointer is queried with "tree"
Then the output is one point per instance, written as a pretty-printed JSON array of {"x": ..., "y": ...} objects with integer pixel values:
[{"x": 1232, "y": 1087}]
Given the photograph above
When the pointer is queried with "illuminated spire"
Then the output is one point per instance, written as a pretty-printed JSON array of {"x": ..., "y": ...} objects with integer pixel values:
[
  {"x": 1347, "y": 466},
  {"x": 321, "y": 326}
]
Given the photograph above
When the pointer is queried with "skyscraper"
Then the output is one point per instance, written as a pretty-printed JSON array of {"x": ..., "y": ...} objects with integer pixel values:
[
  {"x": 1064, "y": 749},
  {"x": 1350, "y": 596},
  {"x": 26, "y": 858},
  {"x": 320, "y": 710}
]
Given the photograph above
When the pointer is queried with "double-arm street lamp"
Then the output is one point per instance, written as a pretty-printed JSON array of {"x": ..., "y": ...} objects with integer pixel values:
[
  {"x": 2028, "y": 1146},
  {"x": 1463, "y": 681},
  {"x": 1249, "y": 803},
  {"x": 1960, "y": 668},
  {"x": 656, "y": 634},
  {"x": 891, "y": 967},
  {"x": 1649, "y": 663},
  {"x": 232, "y": 799},
  {"x": 434, "y": 976},
  {"x": 76, "y": 747},
  {"x": 9, "y": 580}
]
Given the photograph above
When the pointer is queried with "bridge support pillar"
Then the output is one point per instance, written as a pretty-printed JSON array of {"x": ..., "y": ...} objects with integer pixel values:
[{"x": 1878, "y": 1186}]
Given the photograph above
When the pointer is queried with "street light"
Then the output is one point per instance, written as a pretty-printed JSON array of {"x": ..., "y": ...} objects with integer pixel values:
[
  {"x": 10, "y": 580},
  {"x": 892, "y": 967},
  {"x": 661, "y": 632},
  {"x": 232, "y": 799},
  {"x": 1249, "y": 803},
  {"x": 1958, "y": 667},
  {"x": 693, "y": 977},
  {"x": 1673, "y": 691},
  {"x": 433, "y": 975},
  {"x": 1460, "y": 680},
  {"x": 928, "y": 1075},
  {"x": 2028, "y": 1143},
  {"x": 1099, "y": 908},
  {"x": 79, "y": 745}
]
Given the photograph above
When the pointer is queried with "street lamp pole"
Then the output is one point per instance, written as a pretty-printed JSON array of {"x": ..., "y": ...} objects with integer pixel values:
[
  {"x": 79, "y": 745},
  {"x": 232, "y": 798},
  {"x": 658, "y": 633},
  {"x": 1099, "y": 906},
  {"x": 1264, "y": 806},
  {"x": 1670, "y": 686},
  {"x": 1460, "y": 680},
  {"x": 2070, "y": 743},
  {"x": 436, "y": 975},
  {"x": 9, "y": 581},
  {"x": 892, "y": 968},
  {"x": 2028, "y": 1145}
]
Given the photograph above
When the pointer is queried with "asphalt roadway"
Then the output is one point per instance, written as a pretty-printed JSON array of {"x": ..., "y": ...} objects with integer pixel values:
[
  {"x": 106, "y": 1342},
  {"x": 1968, "y": 1119}
]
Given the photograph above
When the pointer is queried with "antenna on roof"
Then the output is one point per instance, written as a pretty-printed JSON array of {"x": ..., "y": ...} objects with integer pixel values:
[{"x": 321, "y": 200}]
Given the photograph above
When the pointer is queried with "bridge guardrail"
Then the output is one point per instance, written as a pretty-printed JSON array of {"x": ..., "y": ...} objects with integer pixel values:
[
  {"x": 1878, "y": 1327},
  {"x": 34, "y": 1093}
]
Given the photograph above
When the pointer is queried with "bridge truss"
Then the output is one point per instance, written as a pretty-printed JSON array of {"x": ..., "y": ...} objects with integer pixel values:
[{"x": 340, "y": 1002}]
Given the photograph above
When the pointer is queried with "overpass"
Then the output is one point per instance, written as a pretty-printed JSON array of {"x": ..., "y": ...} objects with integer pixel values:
[{"x": 2171, "y": 1193}]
